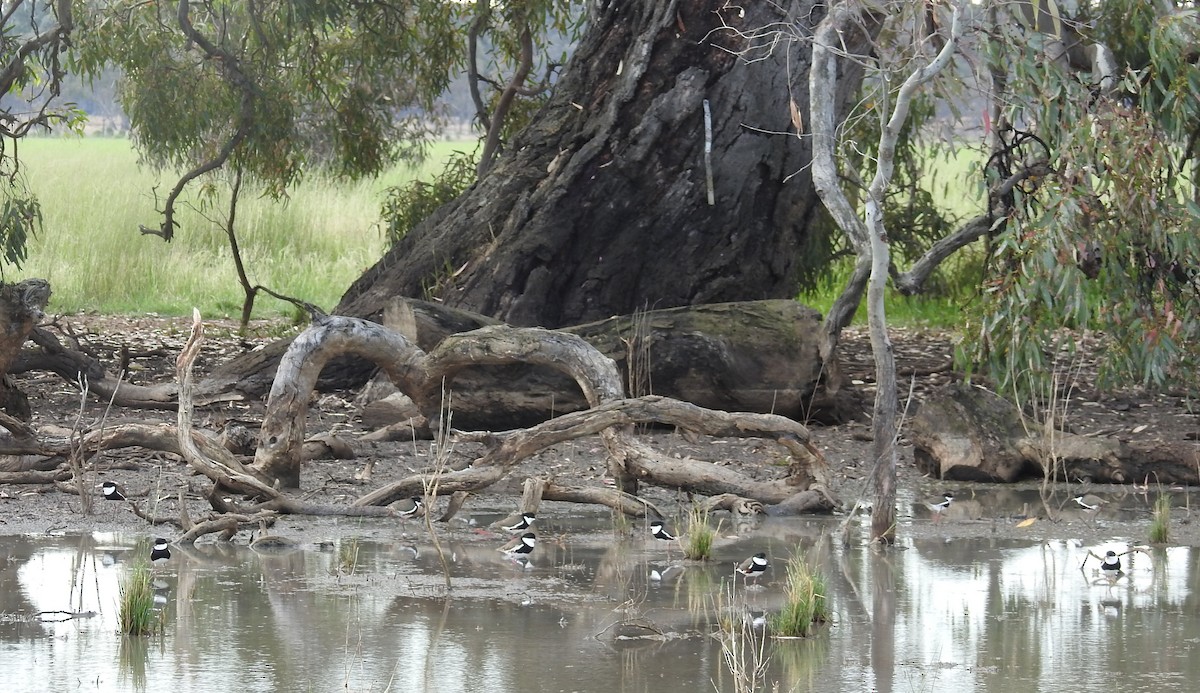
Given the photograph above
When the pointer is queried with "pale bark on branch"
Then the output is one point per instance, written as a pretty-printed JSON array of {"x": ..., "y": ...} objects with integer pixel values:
[{"x": 868, "y": 235}]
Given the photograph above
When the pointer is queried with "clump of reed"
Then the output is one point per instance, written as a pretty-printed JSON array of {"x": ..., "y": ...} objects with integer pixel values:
[
  {"x": 136, "y": 615},
  {"x": 347, "y": 557},
  {"x": 804, "y": 605},
  {"x": 1160, "y": 521},
  {"x": 699, "y": 536},
  {"x": 743, "y": 644}
]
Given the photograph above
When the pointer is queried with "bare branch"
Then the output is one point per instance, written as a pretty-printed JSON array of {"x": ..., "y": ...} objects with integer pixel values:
[
  {"x": 504, "y": 104},
  {"x": 482, "y": 14},
  {"x": 911, "y": 282}
]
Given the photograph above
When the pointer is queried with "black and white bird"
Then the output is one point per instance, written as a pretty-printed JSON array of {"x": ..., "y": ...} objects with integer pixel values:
[
  {"x": 666, "y": 574},
  {"x": 658, "y": 530},
  {"x": 520, "y": 546},
  {"x": 754, "y": 566},
  {"x": 161, "y": 552},
  {"x": 1110, "y": 567},
  {"x": 525, "y": 522},
  {"x": 1089, "y": 502},
  {"x": 939, "y": 508},
  {"x": 409, "y": 507},
  {"x": 111, "y": 491}
]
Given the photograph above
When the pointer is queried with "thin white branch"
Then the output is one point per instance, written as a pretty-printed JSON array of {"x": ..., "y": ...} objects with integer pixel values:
[
  {"x": 915, "y": 80},
  {"x": 822, "y": 100}
]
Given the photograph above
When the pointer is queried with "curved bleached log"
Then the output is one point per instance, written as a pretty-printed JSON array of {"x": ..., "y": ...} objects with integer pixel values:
[
  {"x": 281, "y": 440},
  {"x": 425, "y": 376}
]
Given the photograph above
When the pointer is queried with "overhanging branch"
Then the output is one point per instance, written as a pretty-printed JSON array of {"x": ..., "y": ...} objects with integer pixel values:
[{"x": 233, "y": 71}]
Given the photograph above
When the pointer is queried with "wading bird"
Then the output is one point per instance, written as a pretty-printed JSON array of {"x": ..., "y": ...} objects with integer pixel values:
[{"x": 754, "y": 566}]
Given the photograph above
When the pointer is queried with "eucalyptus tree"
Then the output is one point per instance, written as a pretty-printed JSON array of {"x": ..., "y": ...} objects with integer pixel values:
[
  {"x": 914, "y": 56},
  {"x": 1103, "y": 232},
  {"x": 1091, "y": 218},
  {"x": 659, "y": 172},
  {"x": 268, "y": 91}
]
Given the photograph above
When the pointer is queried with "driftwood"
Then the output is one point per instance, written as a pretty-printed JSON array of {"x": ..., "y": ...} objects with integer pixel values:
[
  {"x": 35, "y": 476},
  {"x": 217, "y": 463},
  {"x": 971, "y": 434},
  {"x": 420, "y": 374},
  {"x": 82, "y": 370},
  {"x": 619, "y": 501}
]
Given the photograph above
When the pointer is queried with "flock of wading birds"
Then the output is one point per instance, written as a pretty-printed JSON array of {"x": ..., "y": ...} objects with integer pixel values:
[
  {"x": 522, "y": 545},
  {"x": 518, "y": 548},
  {"x": 1110, "y": 562}
]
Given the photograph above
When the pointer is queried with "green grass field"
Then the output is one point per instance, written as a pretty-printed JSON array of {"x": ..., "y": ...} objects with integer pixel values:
[{"x": 94, "y": 195}]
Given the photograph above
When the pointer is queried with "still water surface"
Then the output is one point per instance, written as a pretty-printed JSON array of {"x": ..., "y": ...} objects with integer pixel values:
[{"x": 366, "y": 615}]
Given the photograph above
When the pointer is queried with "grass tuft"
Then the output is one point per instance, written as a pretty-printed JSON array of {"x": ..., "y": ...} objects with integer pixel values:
[
  {"x": 136, "y": 615},
  {"x": 1160, "y": 522},
  {"x": 347, "y": 557},
  {"x": 698, "y": 539},
  {"x": 804, "y": 605}
]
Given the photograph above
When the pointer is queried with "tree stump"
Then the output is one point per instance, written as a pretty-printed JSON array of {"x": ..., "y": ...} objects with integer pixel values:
[{"x": 21, "y": 308}]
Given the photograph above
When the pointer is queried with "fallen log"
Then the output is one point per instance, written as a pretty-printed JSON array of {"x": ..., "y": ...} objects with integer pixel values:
[
  {"x": 967, "y": 433},
  {"x": 753, "y": 356},
  {"x": 422, "y": 375}
]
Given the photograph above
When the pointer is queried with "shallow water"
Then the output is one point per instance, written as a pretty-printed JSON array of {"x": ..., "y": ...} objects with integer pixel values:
[{"x": 369, "y": 615}]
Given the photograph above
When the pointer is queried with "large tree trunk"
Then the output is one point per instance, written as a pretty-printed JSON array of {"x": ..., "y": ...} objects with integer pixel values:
[{"x": 601, "y": 206}]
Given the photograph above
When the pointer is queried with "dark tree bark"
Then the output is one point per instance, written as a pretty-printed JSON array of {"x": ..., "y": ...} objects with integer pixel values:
[
  {"x": 21, "y": 307},
  {"x": 601, "y": 206}
]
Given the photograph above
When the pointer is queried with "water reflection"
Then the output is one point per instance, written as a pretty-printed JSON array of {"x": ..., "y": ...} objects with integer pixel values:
[{"x": 978, "y": 614}]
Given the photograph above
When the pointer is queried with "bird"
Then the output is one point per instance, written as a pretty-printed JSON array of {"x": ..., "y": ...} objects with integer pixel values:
[
  {"x": 939, "y": 508},
  {"x": 409, "y": 507},
  {"x": 160, "y": 553},
  {"x": 1089, "y": 502},
  {"x": 1110, "y": 567},
  {"x": 112, "y": 491},
  {"x": 520, "y": 546},
  {"x": 754, "y": 566},
  {"x": 658, "y": 530},
  {"x": 666, "y": 574},
  {"x": 526, "y": 521}
]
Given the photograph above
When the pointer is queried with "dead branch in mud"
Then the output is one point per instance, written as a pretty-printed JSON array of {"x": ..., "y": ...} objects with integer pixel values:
[
  {"x": 226, "y": 525},
  {"x": 35, "y": 476},
  {"x": 216, "y": 463},
  {"x": 221, "y": 466},
  {"x": 75, "y": 367},
  {"x": 731, "y": 503},
  {"x": 507, "y": 450},
  {"x": 421, "y": 376},
  {"x": 620, "y": 501}
]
